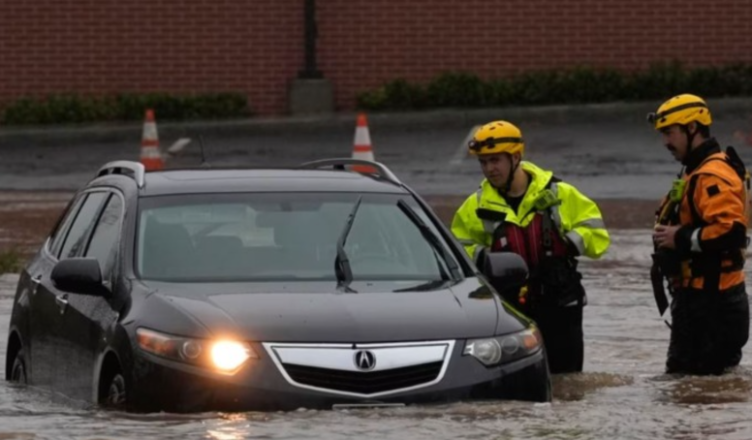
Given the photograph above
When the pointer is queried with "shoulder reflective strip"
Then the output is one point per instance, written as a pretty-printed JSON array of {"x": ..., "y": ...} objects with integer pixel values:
[
  {"x": 555, "y": 214},
  {"x": 488, "y": 225},
  {"x": 696, "y": 240},
  {"x": 577, "y": 241},
  {"x": 593, "y": 223}
]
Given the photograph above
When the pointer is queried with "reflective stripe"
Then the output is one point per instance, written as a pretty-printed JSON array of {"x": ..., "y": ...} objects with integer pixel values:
[
  {"x": 696, "y": 241},
  {"x": 466, "y": 242},
  {"x": 490, "y": 226},
  {"x": 555, "y": 214},
  {"x": 593, "y": 223},
  {"x": 577, "y": 241}
]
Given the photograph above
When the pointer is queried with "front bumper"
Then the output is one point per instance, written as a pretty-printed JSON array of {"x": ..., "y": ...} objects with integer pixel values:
[{"x": 265, "y": 384}]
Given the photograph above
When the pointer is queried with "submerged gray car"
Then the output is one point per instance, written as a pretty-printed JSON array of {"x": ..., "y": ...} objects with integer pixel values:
[{"x": 266, "y": 289}]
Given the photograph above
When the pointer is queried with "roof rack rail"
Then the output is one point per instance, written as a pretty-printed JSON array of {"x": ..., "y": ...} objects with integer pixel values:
[
  {"x": 383, "y": 171},
  {"x": 120, "y": 166}
]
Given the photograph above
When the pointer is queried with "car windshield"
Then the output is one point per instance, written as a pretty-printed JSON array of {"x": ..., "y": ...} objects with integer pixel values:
[{"x": 284, "y": 236}]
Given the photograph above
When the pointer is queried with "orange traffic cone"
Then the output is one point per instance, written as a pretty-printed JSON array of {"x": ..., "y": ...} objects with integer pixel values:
[
  {"x": 151, "y": 157},
  {"x": 362, "y": 145}
]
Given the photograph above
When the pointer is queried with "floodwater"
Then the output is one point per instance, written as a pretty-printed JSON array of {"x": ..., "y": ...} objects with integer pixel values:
[{"x": 622, "y": 394}]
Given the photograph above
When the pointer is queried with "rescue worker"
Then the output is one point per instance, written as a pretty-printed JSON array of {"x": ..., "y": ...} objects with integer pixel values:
[
  {"x": 524, "y": 209},
  {"x": 700, "y": 239}
]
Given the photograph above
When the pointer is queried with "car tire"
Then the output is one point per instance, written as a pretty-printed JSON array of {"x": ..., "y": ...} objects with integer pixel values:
[
  {"x": 18, "y": 371},
  {"x": 542, "y": 392},
  {"x": 113, "y": 393},
  {"x": 532, "y": 385}
]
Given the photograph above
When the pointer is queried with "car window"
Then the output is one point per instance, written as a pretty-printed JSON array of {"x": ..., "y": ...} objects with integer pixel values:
[
  {"x": 79, "y": 231},
  {"x": 103, "y": 244},
  {"x": 280, "y": 237},
  {"x": 61, "y": 228}
]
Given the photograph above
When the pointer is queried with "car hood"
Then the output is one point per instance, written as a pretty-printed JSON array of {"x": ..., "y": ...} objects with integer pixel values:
[{"x": 288, "y": 314}]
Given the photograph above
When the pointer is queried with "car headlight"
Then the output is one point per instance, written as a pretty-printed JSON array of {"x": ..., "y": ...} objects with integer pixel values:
[
  {"x": 504, "y": 349},
  {"x": 224, "y": 356}
]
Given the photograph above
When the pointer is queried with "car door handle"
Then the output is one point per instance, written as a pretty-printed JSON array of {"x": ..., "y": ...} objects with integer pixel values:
[
  {"x": 35, "y": 281},
  {"x": 62, "y": 302}
]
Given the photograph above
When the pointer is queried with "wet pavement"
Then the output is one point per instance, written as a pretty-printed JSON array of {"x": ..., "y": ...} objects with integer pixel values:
[
  {"x": 605, "y": 159},
  {"x": 622, "y": 394}
]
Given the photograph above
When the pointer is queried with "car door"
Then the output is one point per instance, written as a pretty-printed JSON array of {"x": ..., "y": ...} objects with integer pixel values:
[
  {"x": 51, "y": 353},
  {"x": 42, "y": 308},
  {"x": 85, "y": 318}
]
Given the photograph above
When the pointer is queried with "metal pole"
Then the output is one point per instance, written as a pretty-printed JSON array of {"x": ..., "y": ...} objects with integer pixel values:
[{"x": 311, "y": 33}]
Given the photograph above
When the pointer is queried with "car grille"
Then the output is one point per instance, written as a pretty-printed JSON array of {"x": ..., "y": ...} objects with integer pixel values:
[{"x": 364, "y": 382}]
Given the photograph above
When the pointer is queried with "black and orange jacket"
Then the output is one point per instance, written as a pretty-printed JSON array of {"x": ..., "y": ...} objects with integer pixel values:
[{"x": 713, "y": 213}]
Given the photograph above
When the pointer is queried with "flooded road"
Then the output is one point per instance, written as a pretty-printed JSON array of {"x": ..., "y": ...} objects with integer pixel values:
[{"x": 621, "y": 395}]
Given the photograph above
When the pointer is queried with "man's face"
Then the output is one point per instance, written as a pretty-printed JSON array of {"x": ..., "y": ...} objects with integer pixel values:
[
  {"x": 496, "y": 168},
  {"x": 675, "y": 141}
]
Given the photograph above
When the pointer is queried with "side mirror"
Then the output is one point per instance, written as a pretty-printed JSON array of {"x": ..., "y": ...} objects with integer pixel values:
[
  {"x": 79, "y": 275},
  {"x": 505, "y": 270}
]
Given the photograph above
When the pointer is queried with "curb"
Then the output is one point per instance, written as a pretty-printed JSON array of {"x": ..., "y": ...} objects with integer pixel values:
[{"x": 554, "y": 114}]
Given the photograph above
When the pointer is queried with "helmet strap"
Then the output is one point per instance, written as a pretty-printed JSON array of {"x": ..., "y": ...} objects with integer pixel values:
[
  {"x": 690, "y": 140},
  {"x": 690, "y": 137},
  {"x": 513, "y": 170}
]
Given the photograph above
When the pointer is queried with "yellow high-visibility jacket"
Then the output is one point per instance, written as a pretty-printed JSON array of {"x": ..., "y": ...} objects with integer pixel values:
[{"x": 577, "y": 218}]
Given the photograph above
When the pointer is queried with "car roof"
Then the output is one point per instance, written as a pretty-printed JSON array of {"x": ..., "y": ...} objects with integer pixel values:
[
  {"x": 308, "y": 177},
  {"x": 262, "y": 180}
]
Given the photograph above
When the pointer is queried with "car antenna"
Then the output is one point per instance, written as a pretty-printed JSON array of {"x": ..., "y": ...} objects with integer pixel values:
[{"x": 204, "y": 163}]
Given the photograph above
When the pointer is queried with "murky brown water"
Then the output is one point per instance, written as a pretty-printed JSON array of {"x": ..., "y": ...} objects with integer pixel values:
[{"x": 621, "y": 395}]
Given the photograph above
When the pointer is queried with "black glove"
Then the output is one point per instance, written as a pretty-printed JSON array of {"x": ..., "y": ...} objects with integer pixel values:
[{"x": 481, "y": 259}]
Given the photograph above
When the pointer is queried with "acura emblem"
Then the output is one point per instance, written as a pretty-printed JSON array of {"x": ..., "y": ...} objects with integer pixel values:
[{"x": 365, "y": 360}]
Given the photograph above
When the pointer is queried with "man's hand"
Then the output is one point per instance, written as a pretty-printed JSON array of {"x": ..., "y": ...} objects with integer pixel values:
[{"x": 665, "y": 236}]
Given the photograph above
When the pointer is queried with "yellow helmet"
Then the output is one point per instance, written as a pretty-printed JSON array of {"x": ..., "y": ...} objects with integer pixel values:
[
  {"x": 497, "y": 137},
  {"x": 681, "y": 109}
]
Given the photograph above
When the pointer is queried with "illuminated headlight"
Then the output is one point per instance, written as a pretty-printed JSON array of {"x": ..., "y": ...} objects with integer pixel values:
[
  {"x": 504, "y": 349},
  {"x": 224, "y": 356},
  {"x": 229, "y": 355}
]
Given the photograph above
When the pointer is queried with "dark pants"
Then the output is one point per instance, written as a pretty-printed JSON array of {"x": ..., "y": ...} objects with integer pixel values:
[
  {"x": 561, "y": 328},
  {"x": 708, "y": 330}
]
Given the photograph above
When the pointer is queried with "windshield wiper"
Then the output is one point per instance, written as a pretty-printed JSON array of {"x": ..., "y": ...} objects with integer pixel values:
[
  {"x": 341, "y": 263},
  {"x": 432, "y": 240},
  {"x": 427, "y": 286}
]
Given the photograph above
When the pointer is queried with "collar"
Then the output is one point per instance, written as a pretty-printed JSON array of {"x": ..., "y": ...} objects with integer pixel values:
[
  {"x": 489, "y": 197},
  {"x": 528, "y": 178},
  {"x": 698, "y": 155},
  {"x": 538, "y": 178}
]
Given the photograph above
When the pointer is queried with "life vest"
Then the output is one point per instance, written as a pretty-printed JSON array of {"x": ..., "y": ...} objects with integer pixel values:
[
  {"x": 710, "y": 270},
  {"x": 532, "y": 242},
  {"x": 545, "y": 251}
]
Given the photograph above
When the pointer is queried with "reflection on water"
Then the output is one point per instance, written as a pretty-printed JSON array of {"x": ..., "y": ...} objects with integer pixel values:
[
  {"x": 571, "y": 387},
  {"x": 623, "y": 393},
  {"x": 733, "y": 387}
]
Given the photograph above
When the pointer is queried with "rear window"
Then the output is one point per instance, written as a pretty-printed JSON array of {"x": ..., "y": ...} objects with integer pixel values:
[{"x": 280, "y": 236}]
